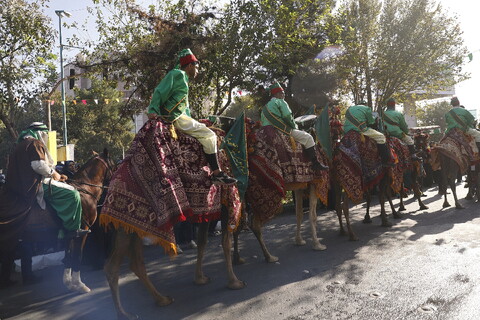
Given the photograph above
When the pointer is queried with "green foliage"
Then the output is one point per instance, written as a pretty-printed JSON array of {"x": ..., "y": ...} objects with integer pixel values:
[
  {"x": 26, "y": 41},
  {"x": 433, "y": 114},
  {"x": 398, "y": 46},
  {"x": 93, "y": 127}
]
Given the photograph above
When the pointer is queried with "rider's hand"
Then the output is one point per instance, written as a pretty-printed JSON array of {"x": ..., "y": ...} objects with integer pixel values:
[
  {"x": 63, "y": 178},
  {"x": 56, "y": 176}
]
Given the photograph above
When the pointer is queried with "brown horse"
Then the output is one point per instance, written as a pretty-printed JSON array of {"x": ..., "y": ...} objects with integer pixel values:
[{"x": 39, "y": 224}]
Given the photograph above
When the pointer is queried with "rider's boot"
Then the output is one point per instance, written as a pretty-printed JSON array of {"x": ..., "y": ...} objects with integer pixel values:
[
  {"x": 218, "y": 177},
  {"x": 313, "y": 157},
  {"x": 385, "y": 155},
  {"x": 413, "y": 153}
]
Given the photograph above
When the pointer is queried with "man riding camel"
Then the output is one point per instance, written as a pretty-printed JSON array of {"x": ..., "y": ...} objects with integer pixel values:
[
  {"x": 277, "y": 113},
  {"x": 459, "y": 117},
  {"x": 396, "y": 126},
  {"x": 170, "y": 102},
  {"x": 359, "y": 118}
]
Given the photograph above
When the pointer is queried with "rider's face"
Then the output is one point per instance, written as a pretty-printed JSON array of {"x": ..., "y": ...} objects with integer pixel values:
[{"x": 192, "y": 69}]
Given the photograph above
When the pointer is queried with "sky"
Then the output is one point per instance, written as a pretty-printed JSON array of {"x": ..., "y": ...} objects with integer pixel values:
[{"x": 466, "y": 10}]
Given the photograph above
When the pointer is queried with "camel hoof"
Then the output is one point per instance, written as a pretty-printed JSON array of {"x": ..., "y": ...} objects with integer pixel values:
[
  {"x": 319, "y": 247},
  {"x": 271, "y": 259},
  {"x": 164, "y": 301},
  {"x": 238, "y": 261},
  {"x": 402, "y": 209},
  {"x": 446, "y": 205},
  {"x": 397, "y": 216},
  {"x": 459, "y": 206},
  {"x": 367, "y": 220},
  {"x": 237, "y": 284},
  {"x": 469, "y": 197},
  {"x": 386, "y": 224},
  {"x": 300, "y": 242},
  {"x": 423, "y": 207},
  {"x": 202, "y": 280},
  {"x": 353, "y": 238}
]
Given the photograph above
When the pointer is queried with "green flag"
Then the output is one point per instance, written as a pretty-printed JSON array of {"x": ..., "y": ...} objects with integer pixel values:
[
  {"x": 235, "y": 145},
  {"x": 322, "y": 130}
]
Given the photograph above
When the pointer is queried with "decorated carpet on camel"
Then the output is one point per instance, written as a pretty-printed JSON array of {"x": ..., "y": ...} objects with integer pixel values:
[
  {"x": 277, "y": 164},
  {"x": 163, "y": 181}
]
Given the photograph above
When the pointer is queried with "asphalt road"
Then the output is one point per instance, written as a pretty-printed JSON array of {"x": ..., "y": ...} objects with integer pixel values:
[{"x": 424, "y": 267}]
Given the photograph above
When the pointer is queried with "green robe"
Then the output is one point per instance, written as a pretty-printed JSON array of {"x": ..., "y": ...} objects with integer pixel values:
[
  {"x": 358, "y": 118},
  {"x": 395, "y": 124},
  {"x": 459, "y": 118},
  {"x": 170, "y": 98},
  {"x": 277, "y": 113}
]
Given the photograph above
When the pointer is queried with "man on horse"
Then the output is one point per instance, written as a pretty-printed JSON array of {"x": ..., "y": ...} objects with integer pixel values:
[
  {"x": 396, "y": 126},
  {"x": 459, "y": 117},
  {"x": 170, "y": 102},
  {"x": 277, "y": 113},
  {"x": 359, "y": 118}
]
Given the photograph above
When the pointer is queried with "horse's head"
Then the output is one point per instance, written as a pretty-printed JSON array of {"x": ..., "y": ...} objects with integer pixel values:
[{"x": 98, "y": 169}]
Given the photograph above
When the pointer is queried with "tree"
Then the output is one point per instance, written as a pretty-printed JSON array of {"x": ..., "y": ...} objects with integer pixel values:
[
  {"x": 26, "y": 41},
  {"x": 99, "y": 124},
  {"x": 433, "y": 114},
  {"x": 395, "y": 47}
]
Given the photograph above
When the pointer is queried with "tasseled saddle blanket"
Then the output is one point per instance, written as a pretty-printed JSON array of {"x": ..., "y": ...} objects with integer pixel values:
[
  {"x": 163, "y": 181},
  {"x": 457, "y": 146},
  {"x": 403, "y": 163},
  {"x": 277, "y": 164},
  {"x": 357, "y": 164}
]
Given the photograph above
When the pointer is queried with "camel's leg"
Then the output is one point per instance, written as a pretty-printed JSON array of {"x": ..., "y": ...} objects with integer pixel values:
[
  {"x": 417, "y": 191},
  {"x": 381, "y": 196},
  {"x": 453, "y": 187},
  {"x": 388, "y": 194},
  {"x": 233, "y": 282},
  {"x": 353, "y": 236},
  {"x": 112, "y": 266},
  {"x": 367, "y": 218},
  {"x": 236, "y": 253},
  {"x": 402, "y": 205},
  {"x": 202, "y": 238},
  {"x": 298, "y": 194},
  {"x": 313, "y": 219},
  {"x": 137, "y": 265},
  {"x": 257, "y": 231},
  {"x": 338, "y": 209}
]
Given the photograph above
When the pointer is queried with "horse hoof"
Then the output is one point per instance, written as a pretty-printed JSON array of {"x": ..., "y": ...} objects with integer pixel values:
[
  {"x": 319, "y": 247},
  {"x": 300, "y": 242},
  {"x": 164, "y": 301},
  {"x": 238, "y": 261},
  {"x": 271, "y": 259},
  {"x": 353, "y": 238},
  {"x": 80, "y": 287},
  {"x": 202, "y": 280},
  {"x": 459, "y": 206},
  {"x": 367, "y": 220},
  {"x": 237, "y": 285}
]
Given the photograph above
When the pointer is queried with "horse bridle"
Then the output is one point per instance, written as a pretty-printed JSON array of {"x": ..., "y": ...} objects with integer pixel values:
[{"x": 109, "y": 170}]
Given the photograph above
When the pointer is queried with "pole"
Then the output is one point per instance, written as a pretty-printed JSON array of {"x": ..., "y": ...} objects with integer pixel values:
[{"x": 64, "y": 107}]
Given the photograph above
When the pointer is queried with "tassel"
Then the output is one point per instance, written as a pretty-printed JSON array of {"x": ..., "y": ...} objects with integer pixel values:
[
  {"x": 292, "y": 142},
  {"x": 173, "y": 132},
  {"x": 362, "y": 137}
]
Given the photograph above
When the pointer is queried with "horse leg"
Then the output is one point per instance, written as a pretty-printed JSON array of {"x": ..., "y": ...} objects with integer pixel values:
[
  {"x": 257, "y": 231},
  {"x": 353, "y": 236},
  {"x": 67, "y": 271},
  {"x": 137, "y": 265},
  {"x": 77, "y": 283},
  {"x": 313, "y": 219},
  {"x": 121, "y": 244},
  {"x": 233, "y": 282},
  {"x": 367, "y": 218},
  {"x": 298, "y": 194},
  {"x": 202, "y": 235}
]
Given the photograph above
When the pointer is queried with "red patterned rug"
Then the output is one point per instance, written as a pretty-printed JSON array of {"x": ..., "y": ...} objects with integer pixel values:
[
  {"x": 457, "y": 146},
  {"x": 357, "y": 164},
  {"x": 277, "y": 164},
  {"x": 403, "y": 163},
  {"x": 163, "y": 181}
]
